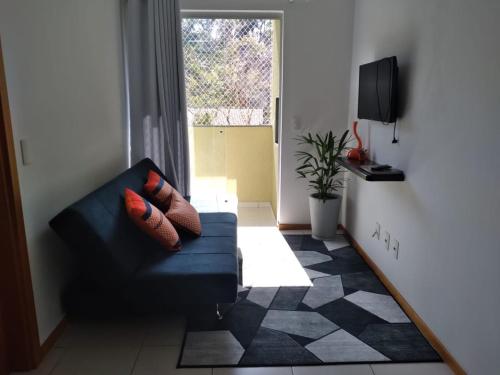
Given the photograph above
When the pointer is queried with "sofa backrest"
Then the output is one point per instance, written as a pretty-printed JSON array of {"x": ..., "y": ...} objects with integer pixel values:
[{"x": 109, "y": 247}]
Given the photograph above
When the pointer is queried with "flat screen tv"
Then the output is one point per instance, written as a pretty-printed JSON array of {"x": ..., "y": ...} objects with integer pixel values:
[{"x": 378, "y": 90}]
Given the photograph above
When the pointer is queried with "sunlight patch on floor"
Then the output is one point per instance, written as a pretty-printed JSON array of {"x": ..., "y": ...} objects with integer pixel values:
[{"x": 268, "y": 260}]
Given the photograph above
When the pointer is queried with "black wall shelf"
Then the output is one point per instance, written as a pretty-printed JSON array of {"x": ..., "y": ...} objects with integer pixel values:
[{"x": 362, "y": 169}]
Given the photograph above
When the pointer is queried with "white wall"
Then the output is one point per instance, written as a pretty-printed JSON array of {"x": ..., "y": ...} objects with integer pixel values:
[
  {"x": 317, "y": 56},
  {"x": 446, "y": 214},
  {"x": 64, "y": 74}
]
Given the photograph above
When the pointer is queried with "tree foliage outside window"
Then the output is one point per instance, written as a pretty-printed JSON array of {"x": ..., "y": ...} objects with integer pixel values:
[{"x": 228, "y": 69}]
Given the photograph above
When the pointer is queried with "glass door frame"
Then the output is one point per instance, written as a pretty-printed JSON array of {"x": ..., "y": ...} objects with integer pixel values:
[{"x": 264, "y": 14}]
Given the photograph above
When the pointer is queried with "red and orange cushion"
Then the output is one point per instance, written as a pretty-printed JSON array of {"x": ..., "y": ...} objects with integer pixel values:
[
  {"x": 183, "y": 215},
  {"x": 151, "y": 220},
  {"x": 178, "y": 210},
  {"x": 158, "y": 190}
]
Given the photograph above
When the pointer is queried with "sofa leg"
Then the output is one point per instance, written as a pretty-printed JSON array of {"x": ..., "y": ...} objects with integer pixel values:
[{"x": 220, "y": 316}]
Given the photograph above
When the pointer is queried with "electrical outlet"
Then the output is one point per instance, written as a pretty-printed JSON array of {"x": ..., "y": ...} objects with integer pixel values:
[
  {"x": 395, "y": 248},
  {"x": 387, "y": 240},
  {"x": 376, "y": 233}
]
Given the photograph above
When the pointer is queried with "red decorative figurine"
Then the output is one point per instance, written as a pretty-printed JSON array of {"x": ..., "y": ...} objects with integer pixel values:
[{"x": 358, "y": 153}]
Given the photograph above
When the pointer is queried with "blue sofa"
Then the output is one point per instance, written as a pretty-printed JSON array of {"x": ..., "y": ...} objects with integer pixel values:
[{"x": 117, "y": 260}]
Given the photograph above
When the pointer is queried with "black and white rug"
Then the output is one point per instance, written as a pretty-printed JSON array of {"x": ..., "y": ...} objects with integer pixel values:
[{"x": 347, "y": 316}]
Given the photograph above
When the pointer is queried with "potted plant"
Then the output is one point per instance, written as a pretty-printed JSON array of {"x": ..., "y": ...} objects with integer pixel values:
[{"x": 319, "y": 167}]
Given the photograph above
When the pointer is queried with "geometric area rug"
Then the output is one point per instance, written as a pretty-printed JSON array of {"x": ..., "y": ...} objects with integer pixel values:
[{"x": 346, "y": 316}]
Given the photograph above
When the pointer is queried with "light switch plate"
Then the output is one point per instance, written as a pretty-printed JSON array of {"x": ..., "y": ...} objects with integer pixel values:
[{"x": 25, "y": 152}]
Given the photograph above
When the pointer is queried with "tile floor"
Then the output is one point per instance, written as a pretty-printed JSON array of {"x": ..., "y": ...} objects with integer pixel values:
[{"x": 151, "y": 347}]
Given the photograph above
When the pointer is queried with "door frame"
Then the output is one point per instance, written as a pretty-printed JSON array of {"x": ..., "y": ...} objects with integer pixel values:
[
  {"x": 18, "y": 316},
  {"x": 262, "y": 14},
  {"x": 3, "y": 348}
]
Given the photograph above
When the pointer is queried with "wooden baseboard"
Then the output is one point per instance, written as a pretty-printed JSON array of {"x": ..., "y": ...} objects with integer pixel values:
[
  {"x": 294, "y": 226},
  {"x": 52, "y": 339},
  {"x": 412, "y": 314}
]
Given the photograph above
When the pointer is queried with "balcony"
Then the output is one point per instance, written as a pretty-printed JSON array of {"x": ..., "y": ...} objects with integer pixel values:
[
  {"x": 233, "y": 163},
  {"x": 232, "y": 70}
]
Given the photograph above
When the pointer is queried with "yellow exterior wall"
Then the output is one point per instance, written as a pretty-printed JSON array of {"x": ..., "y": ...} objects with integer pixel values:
[
  {"x": 209, "y": 151},
  {"x": 241, "y": 157}
]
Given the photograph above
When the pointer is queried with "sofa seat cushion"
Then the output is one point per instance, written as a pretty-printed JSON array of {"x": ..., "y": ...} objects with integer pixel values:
[
  {"x": 205, "y": 270},
  {"x": 218, "y": 217},
  {"x": 217, "y": 224},
  {"x": 209, "y": 245},
  {"x": 188, "y": 277}
]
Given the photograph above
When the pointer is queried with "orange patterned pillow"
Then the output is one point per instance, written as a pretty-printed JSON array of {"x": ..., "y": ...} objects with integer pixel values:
[
  {"x": 158, "y": 190},
  {"x": 183, "y": 215},
  {"x": 151, "y": 220}
]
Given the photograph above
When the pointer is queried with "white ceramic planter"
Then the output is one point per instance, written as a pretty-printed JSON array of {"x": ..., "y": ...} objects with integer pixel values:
[{"x": 324, "y": 217}]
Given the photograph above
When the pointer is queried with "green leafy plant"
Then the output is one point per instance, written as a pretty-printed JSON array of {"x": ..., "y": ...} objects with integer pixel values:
[
  {"x": 203, "y": 119},
  {"x": 319, "y": 167}
]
